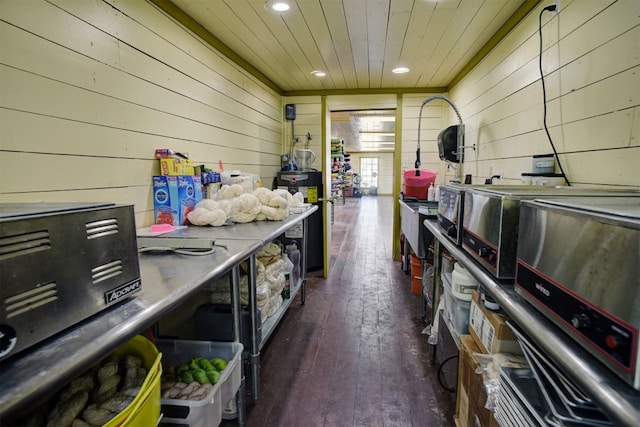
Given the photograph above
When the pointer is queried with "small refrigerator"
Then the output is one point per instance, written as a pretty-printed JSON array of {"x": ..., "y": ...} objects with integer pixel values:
[{"x": 310, "y": 184}]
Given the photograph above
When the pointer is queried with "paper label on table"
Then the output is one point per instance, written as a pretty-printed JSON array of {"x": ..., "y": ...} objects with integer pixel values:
[{"x": 294, "y": 232}]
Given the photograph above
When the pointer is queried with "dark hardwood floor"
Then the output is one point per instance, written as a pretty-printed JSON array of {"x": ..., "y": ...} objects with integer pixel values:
[{"x": 353, "y": 355}]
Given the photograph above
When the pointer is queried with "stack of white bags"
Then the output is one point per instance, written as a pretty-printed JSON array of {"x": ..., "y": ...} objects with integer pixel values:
[
  {"x": 234, "y": 204},
  {"x": 270, "y": 281}
]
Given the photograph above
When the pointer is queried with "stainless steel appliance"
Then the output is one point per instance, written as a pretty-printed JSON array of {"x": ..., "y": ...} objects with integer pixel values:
[
  {"x": 59, "y": 264},
  {"x": 412, "y": 217},
  {"x": 491, "y": 216},
  {"x": 450, "y": 211},
  {"x": 578, "y": 264},
  {"x": 310, "y": 184}
]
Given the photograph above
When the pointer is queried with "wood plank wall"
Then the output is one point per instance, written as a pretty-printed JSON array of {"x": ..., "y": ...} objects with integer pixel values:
[
  {"x": 591, "y": 63},
  {"x": 91, "y": 88}
]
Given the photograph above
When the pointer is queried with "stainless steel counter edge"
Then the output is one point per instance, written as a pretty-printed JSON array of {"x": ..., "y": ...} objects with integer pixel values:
[
  {"x": 616, "y": 398},
  {"x": 167, "y": 281}
]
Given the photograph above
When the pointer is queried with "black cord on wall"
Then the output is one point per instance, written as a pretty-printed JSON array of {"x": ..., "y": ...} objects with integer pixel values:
[{"x": 551, "y": 8}]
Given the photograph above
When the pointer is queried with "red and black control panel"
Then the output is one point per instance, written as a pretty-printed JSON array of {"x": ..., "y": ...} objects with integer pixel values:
[
  {"x": 486, "y": 252},
  {"x": 611, "y": 336}
]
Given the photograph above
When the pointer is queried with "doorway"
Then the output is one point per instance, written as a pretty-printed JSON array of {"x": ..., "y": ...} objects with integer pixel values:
[
  {"x": 368, "y": 139},
  {"x": 365, "y": 168}
]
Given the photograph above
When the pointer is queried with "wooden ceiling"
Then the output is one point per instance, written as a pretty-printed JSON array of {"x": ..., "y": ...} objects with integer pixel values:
[{"x": 356, "y": 42}]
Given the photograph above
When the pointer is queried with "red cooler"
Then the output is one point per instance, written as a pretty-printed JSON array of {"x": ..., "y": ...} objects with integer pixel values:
[{"x": 418, "y": 186}]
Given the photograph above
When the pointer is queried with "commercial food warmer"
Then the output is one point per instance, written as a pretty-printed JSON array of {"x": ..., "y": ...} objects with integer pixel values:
[
  {"x": 578, "y": 264},
  {"x": 491, "y": 219},
  {"x": 61, "y": 263}
]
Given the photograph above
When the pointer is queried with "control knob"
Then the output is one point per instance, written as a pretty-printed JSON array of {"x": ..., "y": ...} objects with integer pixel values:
[
  {"x": 452, "y": 231},
  {"x": 612, "y": 341},
  {"x": 487, "y": 254},
  {"x": 581, "y": 321}
]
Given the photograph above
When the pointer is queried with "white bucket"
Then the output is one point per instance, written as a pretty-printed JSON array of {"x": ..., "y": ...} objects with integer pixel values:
[{"x": 463, "y": 283}]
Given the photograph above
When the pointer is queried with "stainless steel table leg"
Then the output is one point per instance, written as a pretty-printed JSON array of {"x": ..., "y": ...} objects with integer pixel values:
[
  {"x": 437, "y": 258},
  {"x": 303, "y": 267},
  {"x": 254, "y": 351},
  {"x": 237, "y": 337},
  {"x": 423, "y": 299},
  {"x": 240, "y": 402}
]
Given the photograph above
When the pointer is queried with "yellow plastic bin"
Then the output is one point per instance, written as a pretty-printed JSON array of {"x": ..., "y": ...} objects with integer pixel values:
[{"x": 144, "y": 411}]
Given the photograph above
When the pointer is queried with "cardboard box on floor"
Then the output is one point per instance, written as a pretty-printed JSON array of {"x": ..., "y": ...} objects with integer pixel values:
[
  {"x": 471, "y": 393},
  {"x": 490, "y": 330}
]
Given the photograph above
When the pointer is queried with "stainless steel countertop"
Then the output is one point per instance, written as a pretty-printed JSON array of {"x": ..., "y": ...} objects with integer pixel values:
[
  {"x": 167, "y": 281},
  {"x": 616, "y": 398}
]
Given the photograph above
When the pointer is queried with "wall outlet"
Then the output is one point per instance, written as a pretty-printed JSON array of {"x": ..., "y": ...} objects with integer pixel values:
[{"x": 557, "y": 4}]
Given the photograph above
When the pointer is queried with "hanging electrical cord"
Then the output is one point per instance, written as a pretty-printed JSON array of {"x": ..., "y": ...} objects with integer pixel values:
[
  {"x": 444, "y": 362},
  {"x": 551, "y": 8},
  {"x": 182, "y": 251},
  {"x": 192, "y": 252}
]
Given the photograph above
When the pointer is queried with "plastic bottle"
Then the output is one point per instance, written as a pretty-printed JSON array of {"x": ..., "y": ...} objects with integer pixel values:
[
  {"x": 287, "y": 270},
  {"x": 431, "y": 193},
  {"x": 437, "y": 194},
  {"x": 294, "y": 257}
]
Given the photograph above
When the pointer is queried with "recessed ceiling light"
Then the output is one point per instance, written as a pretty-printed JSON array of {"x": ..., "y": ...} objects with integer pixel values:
[
  {"x": 400, "y": 70},
  {"x": 277, "y": 5},
  {"x": 318, "y": 73}
]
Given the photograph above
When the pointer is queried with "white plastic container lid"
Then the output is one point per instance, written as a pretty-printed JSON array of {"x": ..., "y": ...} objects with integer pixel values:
[{"x": 463, "y": 283}]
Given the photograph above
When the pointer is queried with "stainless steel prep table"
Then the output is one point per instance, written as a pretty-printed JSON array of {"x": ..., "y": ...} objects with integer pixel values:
[
  {"x": 618, "y": 400},
  {"x": 266, "y": 231},
  {"x": 167, "y": 281}
]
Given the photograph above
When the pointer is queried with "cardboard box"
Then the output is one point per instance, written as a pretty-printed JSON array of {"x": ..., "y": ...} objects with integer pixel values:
[
  {"x": 471, "y": 393},
  {"x": 189, "y": 193},
  {"x": 165, "y": 199},
  {"x": 176, "y": 166},
  {"x": 174, "y": 197},
  {"x": 489, "y": 330}
]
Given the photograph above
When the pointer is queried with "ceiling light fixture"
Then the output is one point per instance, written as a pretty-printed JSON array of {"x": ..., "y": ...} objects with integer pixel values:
[
  {"x": 318, "y": 73},
  {"x": 277, "y": 5},
  {"x": 400, "y": 70}
]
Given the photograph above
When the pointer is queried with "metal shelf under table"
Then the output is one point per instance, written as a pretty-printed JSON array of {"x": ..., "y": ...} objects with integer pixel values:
[
  {"x": 619, "y": 401},
  {"x": 167, "y": 281}
]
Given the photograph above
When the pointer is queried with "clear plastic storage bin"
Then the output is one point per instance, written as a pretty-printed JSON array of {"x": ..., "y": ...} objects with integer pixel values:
[
  {"x": 207, "y": 412},
  {"x": 456, "y": 307}
]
